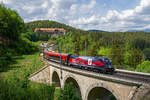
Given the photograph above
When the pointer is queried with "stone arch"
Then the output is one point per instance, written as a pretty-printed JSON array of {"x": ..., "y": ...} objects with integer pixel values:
[
  {"x": 56, "y": 79},
  {"x": 101, "y": 88},
  {"x": 71, "y": 78}
]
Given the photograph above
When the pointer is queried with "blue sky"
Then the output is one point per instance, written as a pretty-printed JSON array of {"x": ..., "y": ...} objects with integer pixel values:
[{"x": 108, "y": 15}]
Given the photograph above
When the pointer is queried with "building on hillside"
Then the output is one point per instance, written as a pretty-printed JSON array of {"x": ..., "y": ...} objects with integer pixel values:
[{"x": 51, "y": 31}]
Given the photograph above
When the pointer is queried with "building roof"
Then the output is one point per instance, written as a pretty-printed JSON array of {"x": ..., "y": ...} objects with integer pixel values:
[{"x": 50, "y": 29}]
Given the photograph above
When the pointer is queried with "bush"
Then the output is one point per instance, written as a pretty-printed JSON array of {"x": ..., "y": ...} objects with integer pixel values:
[
  {"x": 11, "y": 24},
  {"x": 32, "y": 36},
  {"x": 16, "y": 86},
  {"x": 136, "y": 57},
  {"x": 20, "y": 91},
  {"x": 10, "y": 92},
  {"x": 69, "y": 93},
  {"x": 5, "y": 58},
  {"x": 24, "y": 46},
  {"x": 104, "y": 51},
  {"x": 127, "y": 55},
  {"x": 117, "y": 55},
  {"x": 147, "y": 53},
  {"x": 144, "y": 67}
]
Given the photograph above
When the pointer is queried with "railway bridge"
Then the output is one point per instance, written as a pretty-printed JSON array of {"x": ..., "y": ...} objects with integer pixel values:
[{"x": 123, "y": 85}]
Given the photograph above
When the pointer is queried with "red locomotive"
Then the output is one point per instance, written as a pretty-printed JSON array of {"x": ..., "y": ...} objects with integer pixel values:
[{"x": 100, "y": 64}]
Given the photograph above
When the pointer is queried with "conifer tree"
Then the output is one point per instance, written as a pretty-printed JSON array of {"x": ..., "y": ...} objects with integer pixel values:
[
  {"x": 136, "y": 57},
  {"x": 117, "y": 55}
]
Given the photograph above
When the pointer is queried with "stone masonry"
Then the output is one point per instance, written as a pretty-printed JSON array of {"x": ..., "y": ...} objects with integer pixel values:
[
  {"x": 85, "y": 83},
  {"x": 41, "y": 76}
]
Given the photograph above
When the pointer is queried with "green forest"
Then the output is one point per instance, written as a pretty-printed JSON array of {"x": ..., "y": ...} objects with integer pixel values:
[
  {"x": 19, "y": 54},
  {"x": 127, "y": 50}
]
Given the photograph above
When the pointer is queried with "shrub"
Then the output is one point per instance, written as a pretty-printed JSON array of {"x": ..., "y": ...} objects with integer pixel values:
[
  {"x": 11, "y": 24},
  {"x": 127, "y": 55},
  {"x": 144, "y": 67},
  {"x": 104, "y": 51},
  {"x": 147, "y": 53},
  {"x": 117, "y": 55},
  {"x": 136, "y": 57},
  {"x": 69, "y": 93},
  {"x": 21, "y": 90}
]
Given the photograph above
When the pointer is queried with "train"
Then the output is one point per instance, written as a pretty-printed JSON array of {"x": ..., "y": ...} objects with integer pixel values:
[{"x": 98, "y": 64}]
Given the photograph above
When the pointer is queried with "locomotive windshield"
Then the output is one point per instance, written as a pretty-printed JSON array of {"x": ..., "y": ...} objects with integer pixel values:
[{"x": 107, "y": 61}]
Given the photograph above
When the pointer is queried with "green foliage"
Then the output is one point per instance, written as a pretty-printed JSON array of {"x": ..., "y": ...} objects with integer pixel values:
[
  {"x": 16, "y": 86},
  {"x": 127, "y": 56},
  {"x": 117, "y": 55},
  {"x": 11, "y": 24},
  {"x": 57, "y": 93},
  {"x": 144, "y": 67},
  {"x": 69, "y": 93},
  {"x": 136, "y": 57},
  {"x": 11, "y": 41},
  {"x": 112, "y": 97},
  {"x": 140, "y": 43},
  {"x": 6, "y": 60},
  {"x": 146, "y": 52},
  {"x": 93, "y": 49},
  {"x": 25, "y": 46},
  {"x": 104, "y": 51},
  {"x": 32, "y": 36},
  {"x": 19, "y": 91},
  {"x": 76, "y": 40},
  {"x": 123, "y": 48},
  {"x": 29, "y": 27}
]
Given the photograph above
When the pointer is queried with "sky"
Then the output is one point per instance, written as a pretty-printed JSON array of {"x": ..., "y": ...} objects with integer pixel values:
[{"x": 107, "y": 15}]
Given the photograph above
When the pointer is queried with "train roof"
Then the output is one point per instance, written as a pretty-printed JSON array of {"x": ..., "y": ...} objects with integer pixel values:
[
  {"x": 91, "y": 56},
  {"x": 86, "y": 57},
  {"x": 48, "y": 51}
]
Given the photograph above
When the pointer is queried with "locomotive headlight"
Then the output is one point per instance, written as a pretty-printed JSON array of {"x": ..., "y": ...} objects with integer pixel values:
[
  {"x": 109, "y": 66},
  {"x": 110, "y": 60}
]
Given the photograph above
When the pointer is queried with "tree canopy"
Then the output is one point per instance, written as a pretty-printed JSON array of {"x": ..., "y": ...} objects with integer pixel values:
[{"x": 11, "y": 24}]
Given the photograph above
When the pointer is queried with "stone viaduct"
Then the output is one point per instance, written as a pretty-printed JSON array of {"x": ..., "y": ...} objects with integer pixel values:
[{"x": 91, "y": 86}]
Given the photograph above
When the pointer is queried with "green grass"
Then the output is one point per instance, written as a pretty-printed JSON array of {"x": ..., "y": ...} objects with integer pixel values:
[
  {"x": 15, "y": 85},
  {"x": 56, "y": 94},
  {"x": 24, "y": 66}
]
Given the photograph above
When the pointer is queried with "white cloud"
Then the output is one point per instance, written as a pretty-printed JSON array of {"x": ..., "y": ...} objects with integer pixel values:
[
  {"x": 83, "y": 20},
  {"x": 83, "y": 15},
  {"x": 45, "y": 4},
  {"x": 5, "y": 1},
  {"x": 29, "y": 9},
  {"x": 146, "y": 27},
  {"x": 115, "y": 20},
  {"x": 139, "y": 15},
  {"x": 88, "y": 6}
]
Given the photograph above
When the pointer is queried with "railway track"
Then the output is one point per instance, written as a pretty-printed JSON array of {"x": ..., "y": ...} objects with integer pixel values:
[{"x": 135, "y": 77}]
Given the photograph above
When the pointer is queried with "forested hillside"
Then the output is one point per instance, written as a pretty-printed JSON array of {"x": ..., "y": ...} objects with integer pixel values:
[
  {"x": 128, "y": 50},
  {"x": 46, "y": 24},
  {"x": 32, "y": 36}
]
